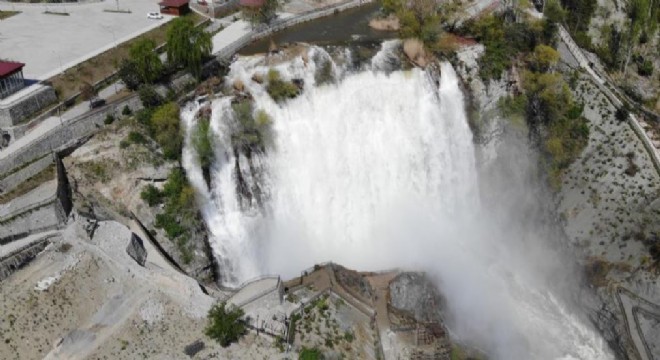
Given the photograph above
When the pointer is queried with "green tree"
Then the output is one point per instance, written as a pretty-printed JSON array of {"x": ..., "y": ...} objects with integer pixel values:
[
  {"x": 554, "y": 12},
  {"x": 165, "y": 129},
  {"x": 147, "y": 63},
  {"x": 149, "y": 97},
  {"x": 262, "y": 14},
  {"x": 128, "y": 73},
  {"x": 188, "y": 45},
  {"x": 544, "y": 58},
  {"x": 226, "y": 324}
]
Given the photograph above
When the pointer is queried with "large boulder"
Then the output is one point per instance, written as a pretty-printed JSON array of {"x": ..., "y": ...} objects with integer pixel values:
[
  {"x": 136, "y": 250},
  {"x": 415, "y": 293}
]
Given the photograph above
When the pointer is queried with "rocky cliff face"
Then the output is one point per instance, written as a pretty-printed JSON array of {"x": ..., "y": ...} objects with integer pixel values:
[{"x": 107, "y": 181}]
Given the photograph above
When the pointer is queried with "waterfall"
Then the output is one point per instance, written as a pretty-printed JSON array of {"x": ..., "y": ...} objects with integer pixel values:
[{"x": 378, "y": 171}]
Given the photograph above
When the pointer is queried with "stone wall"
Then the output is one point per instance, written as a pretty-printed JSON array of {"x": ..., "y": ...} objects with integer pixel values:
[
  {"x": 37, "y": 211},
  {"x": 21, "y": 257},
  {"x": 11, "y": 181},
  {"x": 32, "y": 102},
  {"x": 69, "y": 135}
]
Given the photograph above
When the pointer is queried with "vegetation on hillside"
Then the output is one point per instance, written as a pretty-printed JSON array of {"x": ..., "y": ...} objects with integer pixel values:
[
  {"x": 504, "y": 40},
  {"x": 180, "y": 218},
  {"x": 545, "y": 107},
  {"x": 418, "y": 19},
  {"x": 226, "y": 324},
  {"x": 164, "y": 126},
  {"x": 310, "y": 354}
]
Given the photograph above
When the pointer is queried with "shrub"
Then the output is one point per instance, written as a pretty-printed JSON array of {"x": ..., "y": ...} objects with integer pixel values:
[
  {"x": 126, "y": 111},
  {"x": 109, "y": 119},
  {"x": 151, "y": 195},
  {"x": 149, "y": 97},
  {"x": 279, "y": 89},
  {"x": 622, "y": 113},
  {"x": 136, "y": 138},
  {"x": 645, "y": 68},
  {"x": 165, "y": 129},
  {"x": 310, "y": 354},
  {"x": 226, "y": 324}
]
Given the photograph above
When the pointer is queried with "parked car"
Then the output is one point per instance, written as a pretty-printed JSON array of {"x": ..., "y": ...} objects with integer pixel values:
[
  {"x": 154, "y": 15},
  {"x": 96, "y": 103}
]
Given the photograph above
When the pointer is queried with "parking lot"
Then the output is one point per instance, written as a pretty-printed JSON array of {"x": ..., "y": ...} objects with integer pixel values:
[{"x": 48, "y": 43}]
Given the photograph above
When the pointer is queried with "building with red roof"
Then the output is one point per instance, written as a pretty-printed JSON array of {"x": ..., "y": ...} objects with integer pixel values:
[
  {"x": 11, "y": 78},
  {"x": 174, "y": 7}
]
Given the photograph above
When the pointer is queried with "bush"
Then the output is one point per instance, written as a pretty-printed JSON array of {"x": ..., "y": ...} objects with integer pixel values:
[
  {"x": 165, "y": 128},
  {"x": 126, "y": 111},
  {"x": 310, "y": 354},
  {"x": 622, "y": 113},
  {"x": 109, "y": 119},
  {"x": 136, "y": 138},
  {"x": 279, "y": 89},
  {"x": 226, "y": 324},
  {"x": 149, "y": 97},
  {"x": 151, "y": 195},
  {"x": 645, "y": 68}
]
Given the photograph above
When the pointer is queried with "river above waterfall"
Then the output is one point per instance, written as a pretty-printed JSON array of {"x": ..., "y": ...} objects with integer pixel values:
[{"x": 351, "y": 25}]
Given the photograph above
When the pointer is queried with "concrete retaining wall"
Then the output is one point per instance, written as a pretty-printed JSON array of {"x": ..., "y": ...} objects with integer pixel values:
[
  {"x": 11, "y": 181},
  {"x": 37, "y": 211},
  {"x": 21, "y": 257},
  {"x": 21, "y": 109},
  {"x": 68, "y": 135}
]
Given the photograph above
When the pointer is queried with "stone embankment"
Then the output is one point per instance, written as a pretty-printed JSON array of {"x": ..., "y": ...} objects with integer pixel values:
[
  {"x": 44, "y": 208},
  {"x": 68, "y": 135}
]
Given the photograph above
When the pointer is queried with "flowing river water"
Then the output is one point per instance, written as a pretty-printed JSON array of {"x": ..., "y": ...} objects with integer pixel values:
[{"x": 378, "y": 171}]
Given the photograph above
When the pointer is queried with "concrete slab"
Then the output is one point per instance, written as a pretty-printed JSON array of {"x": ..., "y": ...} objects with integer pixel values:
[{"x": 50, "y": 43}]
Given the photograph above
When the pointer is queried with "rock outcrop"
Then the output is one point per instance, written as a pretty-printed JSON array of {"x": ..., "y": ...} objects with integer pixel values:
[{"x": 136, "y": 250}]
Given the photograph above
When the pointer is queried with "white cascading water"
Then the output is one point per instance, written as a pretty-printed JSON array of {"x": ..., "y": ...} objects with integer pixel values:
[{"x": 374, "y": 172}]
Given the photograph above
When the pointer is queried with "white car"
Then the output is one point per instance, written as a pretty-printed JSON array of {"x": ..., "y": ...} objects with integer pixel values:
[{"x": 154, "y": 15}]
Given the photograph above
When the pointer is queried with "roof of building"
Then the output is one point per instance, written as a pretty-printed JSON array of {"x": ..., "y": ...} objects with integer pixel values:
[
  {"x": 252, "y": 3},
  {"x": 8, "y": 67},
  {"x": 173, "y": 3}
]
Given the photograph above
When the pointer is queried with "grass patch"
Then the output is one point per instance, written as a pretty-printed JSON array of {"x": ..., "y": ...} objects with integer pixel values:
[
  {"x": 105, "y": 64},
  {"x": 29, "y": 185},
  {"x": 5, "y": 14}
]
